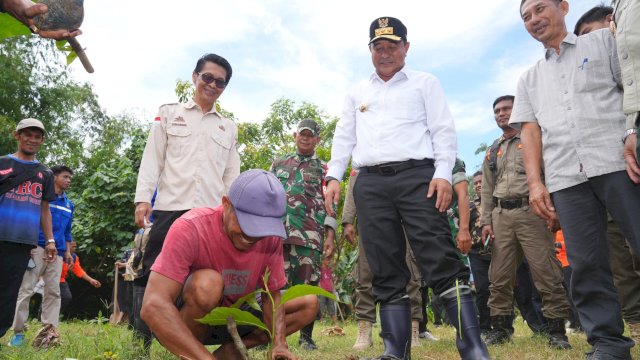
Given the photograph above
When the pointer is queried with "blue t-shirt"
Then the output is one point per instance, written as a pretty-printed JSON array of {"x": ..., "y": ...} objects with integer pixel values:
[
  {"x": 61, "y": 218},
  {"x": 20, "y": 206}
]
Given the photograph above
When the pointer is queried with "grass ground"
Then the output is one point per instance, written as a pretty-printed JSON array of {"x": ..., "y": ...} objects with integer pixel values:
[{"x": 92, "y": 340}]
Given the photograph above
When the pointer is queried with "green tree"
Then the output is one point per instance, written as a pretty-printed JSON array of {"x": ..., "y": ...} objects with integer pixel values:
[{"x": 104, "y": 151}]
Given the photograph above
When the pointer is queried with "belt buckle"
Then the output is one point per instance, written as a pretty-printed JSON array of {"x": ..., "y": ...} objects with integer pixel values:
[{"x": 386, "y": 170}]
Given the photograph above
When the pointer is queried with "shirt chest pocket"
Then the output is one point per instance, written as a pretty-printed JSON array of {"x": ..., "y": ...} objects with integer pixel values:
[
  {"x": 589, "y": 76},
  {"x": 313, "y": 182},
  {"x": 404, "y": 109},
  {"x": 219, "y": 148},
  {"x": 178, "y": 138}
]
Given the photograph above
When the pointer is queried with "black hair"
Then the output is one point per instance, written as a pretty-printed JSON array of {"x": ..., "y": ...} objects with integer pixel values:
[
  {"x": 61, "y": 168},
  {"x": 216, "y": 59},
  {"x": 523, "y": 1},
  {"x": 596, "y": 14},
  {"x": 479, "y": 172},
  {"x": 503, "y": 98}
]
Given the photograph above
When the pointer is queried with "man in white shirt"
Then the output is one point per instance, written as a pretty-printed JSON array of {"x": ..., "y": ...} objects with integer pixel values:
[
  {"x": 190, "y": 159},
  {"x": 399, "y": 131}
]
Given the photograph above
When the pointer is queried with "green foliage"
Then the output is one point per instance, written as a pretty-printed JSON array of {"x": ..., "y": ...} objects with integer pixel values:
[
  {"x": 262, "y": 143},
  {"x": 185, "y": 90},
  {"x": 219, "y": 315},
  {"x": 345, "y": 285},
  {"x": 10, "y": 27},
  {"x": 481, "y": 148},
  {"x": 297, "y": 291}
]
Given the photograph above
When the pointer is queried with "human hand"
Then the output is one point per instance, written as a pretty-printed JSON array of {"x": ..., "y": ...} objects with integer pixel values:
[
  {"x": 26, "y": 11},
  {"x": 332, "y": 196},
  {"x": 487, "y": 231},
  {"x": 553, "y": 224},
  {"x": 329, "y": 246},
  {"x": 349, "y": 231},
  {"x": 120, "y": 265},
  {"x": 143, "y": 212},
  {"x": 281, "y": 352},
  {"x": 443, "y": 191},
  {"x": 50, "y": 253},
  {"x": 540, "y": 201},
  {"x": 95, "y": 283},
  {"x": 464, "y": 241},
  {"x": 68, "y": 258},
  {"x": 631, "y": 158}
]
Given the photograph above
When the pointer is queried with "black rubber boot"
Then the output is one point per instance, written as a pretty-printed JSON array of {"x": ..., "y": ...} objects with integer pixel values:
[
  {"x": 306, "y": 340},
  {"x": 501, "y": 330},
  {"x": 395, "y": 329},
  {"x": 465, "y": 319},
  {"x": 557, "y": 335}
]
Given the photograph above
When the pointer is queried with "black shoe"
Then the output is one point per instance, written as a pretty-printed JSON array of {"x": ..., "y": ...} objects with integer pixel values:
[
  {"x": 501, "y": 331},
  {"x": 307, "y": 344},
  {"x": 497, "y": 337},
  {"x": 459, "y": 304},
  {"x": 597, "y": 354},
  {"x": 557, "y": 334}
]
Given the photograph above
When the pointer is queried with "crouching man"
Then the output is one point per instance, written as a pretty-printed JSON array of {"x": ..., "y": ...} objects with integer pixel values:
[{"x": 212, "y": 257}]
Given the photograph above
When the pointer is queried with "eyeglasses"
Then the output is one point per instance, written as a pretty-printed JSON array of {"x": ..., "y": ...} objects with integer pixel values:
[{"x": 208, "y": 78}]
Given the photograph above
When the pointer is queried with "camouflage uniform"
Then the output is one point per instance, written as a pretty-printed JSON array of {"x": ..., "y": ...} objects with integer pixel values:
[
  {"x": 303, "y": 180},
  {"x": 459, "y": 175}
]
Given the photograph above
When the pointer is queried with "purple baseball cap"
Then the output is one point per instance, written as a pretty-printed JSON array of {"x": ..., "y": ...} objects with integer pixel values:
[{"x": 260, "y": 203}]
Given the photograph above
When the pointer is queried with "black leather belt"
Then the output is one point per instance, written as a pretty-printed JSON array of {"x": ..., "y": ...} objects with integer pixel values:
[
  {"x": 393, "y": 168},
  {"x": 511, "y": 203}
]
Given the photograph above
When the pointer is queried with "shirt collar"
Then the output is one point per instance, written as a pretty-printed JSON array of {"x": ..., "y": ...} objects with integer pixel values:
[
  {"x": 401, "y": 74},
  {"x": 307, "y": 157},
  {"x": 191, "y": 104},
  {"x": 568, "y": 40}
]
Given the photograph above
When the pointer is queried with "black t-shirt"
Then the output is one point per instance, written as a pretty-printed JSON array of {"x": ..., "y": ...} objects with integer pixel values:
[{"x": 20, "y": 206}]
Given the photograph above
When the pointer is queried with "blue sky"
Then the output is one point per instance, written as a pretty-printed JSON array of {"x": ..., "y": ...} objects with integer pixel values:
[{"x": 307, "y": 50}]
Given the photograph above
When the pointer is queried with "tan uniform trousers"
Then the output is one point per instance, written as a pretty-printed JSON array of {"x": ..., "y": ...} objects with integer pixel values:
[
  {"x": 50, "y": 273},
  {"x": 518, "y": 232},
  {"x": 365, "y": 306}
]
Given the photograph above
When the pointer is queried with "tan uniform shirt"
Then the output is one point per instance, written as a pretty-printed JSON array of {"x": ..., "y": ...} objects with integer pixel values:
[
  {"x": 349, "y": 207},
  {"x": 510, "y": 180},
  {"x": 190, "y": 157}
]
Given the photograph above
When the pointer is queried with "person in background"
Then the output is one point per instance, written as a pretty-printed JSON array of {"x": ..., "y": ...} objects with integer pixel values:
[
  {"x": 569, "y": 109},
  {"x": 62, "y": 210},
  {"x": 625, "y": 265},
  {"x": 310, "y": 231},
  {"x": 78, "y": 271}
]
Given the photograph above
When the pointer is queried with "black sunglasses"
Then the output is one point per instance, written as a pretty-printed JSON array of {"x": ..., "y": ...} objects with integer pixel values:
[{"x": 209, "y": 78}]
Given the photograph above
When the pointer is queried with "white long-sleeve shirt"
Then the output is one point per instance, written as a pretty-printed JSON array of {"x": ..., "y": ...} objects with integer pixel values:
[{"x": 404, "y": 118}]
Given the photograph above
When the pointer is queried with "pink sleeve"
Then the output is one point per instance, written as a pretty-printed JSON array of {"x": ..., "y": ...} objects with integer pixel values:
[
  {"x": 277, "y": 279},
  {"x": 178, "y": 252}
]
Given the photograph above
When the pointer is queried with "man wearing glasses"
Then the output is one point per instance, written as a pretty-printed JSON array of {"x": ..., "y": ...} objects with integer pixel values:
[{"x": 190, "y": 158}]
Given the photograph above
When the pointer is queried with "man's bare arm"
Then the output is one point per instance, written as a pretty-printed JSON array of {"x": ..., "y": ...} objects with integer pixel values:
[
  {"x": 163, "y": 318},
  {"x": 539, "y": 198}
]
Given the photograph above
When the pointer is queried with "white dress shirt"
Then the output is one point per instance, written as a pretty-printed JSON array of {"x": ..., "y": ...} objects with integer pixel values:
[{"x": 404, "y": 118}]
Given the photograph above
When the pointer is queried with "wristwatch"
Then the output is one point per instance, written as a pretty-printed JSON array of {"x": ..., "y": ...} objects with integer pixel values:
[
  {"x": 629, "y": 132},
  {"x": 329, "y": 178}
]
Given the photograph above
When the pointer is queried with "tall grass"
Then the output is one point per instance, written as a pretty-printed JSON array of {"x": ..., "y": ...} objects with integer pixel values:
[{"x": 96, "y": 339}]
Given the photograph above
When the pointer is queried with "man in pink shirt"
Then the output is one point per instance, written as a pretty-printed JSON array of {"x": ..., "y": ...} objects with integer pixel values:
[{"x": 212, "y": 257}]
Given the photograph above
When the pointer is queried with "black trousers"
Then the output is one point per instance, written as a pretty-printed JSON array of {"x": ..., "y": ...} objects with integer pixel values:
[
  {"x": 480, "y": 269},
  {"x": 65, "y": 296},
  {"x": 162, "y": 221},
  {"x": 386, "y": 204},
  {"x": 15, "y": 258},
  {"x": 582, "y": 210}
]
